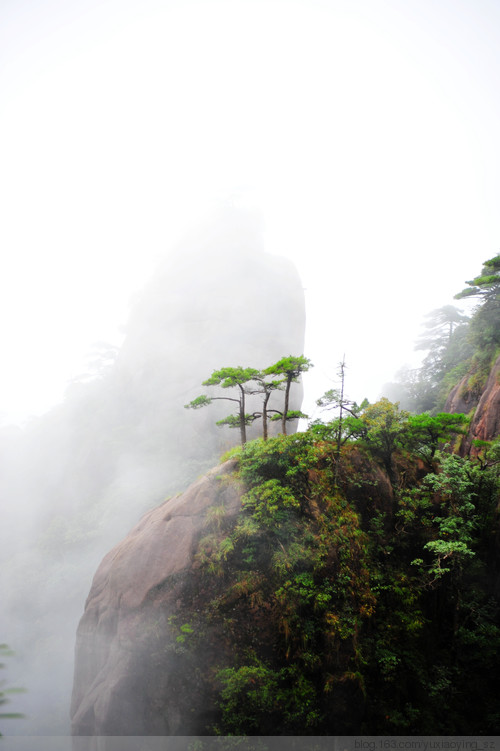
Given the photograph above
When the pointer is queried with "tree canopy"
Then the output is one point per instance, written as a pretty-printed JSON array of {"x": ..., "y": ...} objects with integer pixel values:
[
  {"x": 486, "y": 286},
  {"x": 291, "y": 368},
  {"x": 485, "y": 324},
  {"x": 226, "y": 378},
  {"x": 242, "y": 379}
]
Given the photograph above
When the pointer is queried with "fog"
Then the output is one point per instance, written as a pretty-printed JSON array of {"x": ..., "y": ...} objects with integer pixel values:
[
  {"x": 151, "y": 154},
  {"x": 78, "y": 478}
]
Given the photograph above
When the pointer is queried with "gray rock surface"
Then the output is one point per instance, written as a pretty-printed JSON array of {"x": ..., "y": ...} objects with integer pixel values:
[{"x": 135, "y": 591}]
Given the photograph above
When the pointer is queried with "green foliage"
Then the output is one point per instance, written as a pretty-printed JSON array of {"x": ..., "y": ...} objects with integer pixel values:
[
  {"x": 485, "y": 332},
  {"x": 233, "y": 453},
  {"x": 228, "y": 378},
  {"x": 426, "y": 432},
  {"x": 291, "y": 368},
  {"x": 266, "y": 388},
  {"x": 240, "y": 378},
  {"x": 185, "y": 632},
  {"x": 349, "y": 429},
  {"x": 270, "y": 503},
  {"x": 304, "y": 569},
  {"x": 5, "y": 693},
  {"x": 281, "y": 458},
  {"x": 486, "y": 286},
  {"x": 235, "y": 421},
  {"x": 456, "y": 346},
  {"x": 247, "y": 693},
  {"x": 454, "y": 526},
  {"x": 430, "y": 570},
  {"x": 384, "y": 428},
  {"x": 292, "y": 414},
  {"x": 349, "y": 603},
  {"x": 254, "y": 698},
  {"x": 200, "y": 401}
]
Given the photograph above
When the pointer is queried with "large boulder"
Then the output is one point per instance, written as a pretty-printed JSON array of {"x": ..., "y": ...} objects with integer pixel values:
[{"x": 126, "y": 679}]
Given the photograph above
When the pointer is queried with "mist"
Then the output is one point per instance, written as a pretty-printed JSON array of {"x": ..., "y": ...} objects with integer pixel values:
[
  {"x": 121, "y": 442},
  {"x": 199, "y": 185}
]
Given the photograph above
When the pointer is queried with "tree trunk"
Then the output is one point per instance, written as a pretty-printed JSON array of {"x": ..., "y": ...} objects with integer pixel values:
[
  {"x": 264, "y": 416},
  {"x": 243, "y": 427},
  {"x": 285, "y": 408},
  {"x": 341, "y": 416}
]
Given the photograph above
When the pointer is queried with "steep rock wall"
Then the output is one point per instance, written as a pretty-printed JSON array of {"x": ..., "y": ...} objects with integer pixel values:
[
  {"x": 125, "y": 633},
  {"x": 485, "y": 423},
  {"x": 460, "y": 400}
]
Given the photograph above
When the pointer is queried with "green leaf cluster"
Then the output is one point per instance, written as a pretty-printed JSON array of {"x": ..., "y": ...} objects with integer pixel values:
[{"x": 6, "y": 693}]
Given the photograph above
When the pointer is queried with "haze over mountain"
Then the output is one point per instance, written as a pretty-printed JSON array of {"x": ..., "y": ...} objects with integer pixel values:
[
  {"x": 365, "y": 134},
  {"x": 356, "y": 142},
  {"x": 79, "y": 477}
]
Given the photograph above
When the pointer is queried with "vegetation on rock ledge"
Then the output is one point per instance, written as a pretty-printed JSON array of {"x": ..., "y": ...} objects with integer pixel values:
[
  {"x": 356, "y": 590},
  {"x": 249, "y": 382}
]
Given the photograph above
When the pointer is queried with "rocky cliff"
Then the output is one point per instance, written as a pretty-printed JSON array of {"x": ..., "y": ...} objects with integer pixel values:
[
  {"x": 127, "y": 680},
  {"x": 483, "y": 405},
  {"x": 141, "y": 668},
  {"x": 319, "y": 608}
]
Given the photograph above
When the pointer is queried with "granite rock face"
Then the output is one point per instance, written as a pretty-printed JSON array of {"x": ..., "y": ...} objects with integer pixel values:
[
  {"x": 485, "y": 423},
  {"x": 126, "y": 679},
  {"x": 460, "y": 400}
]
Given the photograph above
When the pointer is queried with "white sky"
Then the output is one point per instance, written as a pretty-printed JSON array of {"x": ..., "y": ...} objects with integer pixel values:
[{"x": 365, "y": 131}]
